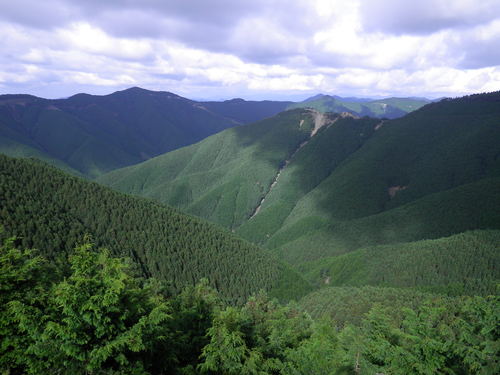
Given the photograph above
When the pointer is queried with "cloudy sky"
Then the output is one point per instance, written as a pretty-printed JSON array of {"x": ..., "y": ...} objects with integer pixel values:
[{"x": 279, "y": 49}]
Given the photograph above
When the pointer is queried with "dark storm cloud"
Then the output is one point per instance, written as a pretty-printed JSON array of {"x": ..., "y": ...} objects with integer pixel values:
[{"x": 53, "y": 13}]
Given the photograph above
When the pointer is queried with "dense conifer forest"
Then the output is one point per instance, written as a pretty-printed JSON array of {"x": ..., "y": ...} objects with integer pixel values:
[{"x": 52, "y": 211}]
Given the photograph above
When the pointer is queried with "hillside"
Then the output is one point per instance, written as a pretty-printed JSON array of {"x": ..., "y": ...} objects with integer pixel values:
[
  {"x": 353, "y": 183},
  {"x": 52, "y": 211},
  {"x": 465, "y": 263},
  {"x": 382, "y": 108}
]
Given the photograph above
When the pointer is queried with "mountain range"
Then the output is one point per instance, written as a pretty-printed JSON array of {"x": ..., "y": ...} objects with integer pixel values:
[{"x": 90, "y": 135}]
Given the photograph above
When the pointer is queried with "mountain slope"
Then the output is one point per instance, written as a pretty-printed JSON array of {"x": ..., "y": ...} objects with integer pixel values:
[
  {"x": 223, "y": 177},
  {"x": 435, "y": 149},
  {"x": 95, "y": 134},
  {"x": 246, "y": 111},
  {"x": 381, "y": 108},
  {"x": 350, "y": 183},
  {"x": 52, "y": 211}
]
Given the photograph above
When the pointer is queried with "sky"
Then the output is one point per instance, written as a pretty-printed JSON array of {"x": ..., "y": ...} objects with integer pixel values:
[{"x": 255, "y": 49}]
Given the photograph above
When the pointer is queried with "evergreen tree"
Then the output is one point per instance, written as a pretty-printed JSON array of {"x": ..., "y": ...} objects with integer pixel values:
[{"x": 100, "y": 320}]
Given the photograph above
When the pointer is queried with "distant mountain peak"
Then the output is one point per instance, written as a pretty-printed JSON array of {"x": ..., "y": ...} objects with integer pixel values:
[
  {"x": 315, "y": 97},
  {"x": 140, "y": 91}
]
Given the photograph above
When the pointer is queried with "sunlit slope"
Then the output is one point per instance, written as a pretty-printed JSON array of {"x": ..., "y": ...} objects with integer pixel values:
[
  {"x": 224, "y": 177},
  {"x": 52, "y": 211}
]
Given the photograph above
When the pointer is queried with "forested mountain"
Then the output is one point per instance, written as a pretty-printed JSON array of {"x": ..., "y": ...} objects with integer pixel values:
[
  {"x": 52, "y": 211},
  {"x": 89, "y": 134},
  {"x": 373, "y": 217},
  {"x": 224, "y": 177},
  {"x": 382, "y": 108},
  {"x": 94, "y": 134},
  {"x": 309, "y": 185}
]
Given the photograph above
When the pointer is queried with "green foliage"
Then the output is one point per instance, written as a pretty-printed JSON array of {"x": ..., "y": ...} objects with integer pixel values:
[
  {"x": 318, "y": 354},
  {"x": 100, "y": 319},
  {"x": 53, "y": 211},
  {"x": 22, "y": 279},
  {"x": 253, "y": 339},
  {"x": 348, "y": 305},
  {"x": 436, "y": 338},
  {"x": 193, "y": 311}
]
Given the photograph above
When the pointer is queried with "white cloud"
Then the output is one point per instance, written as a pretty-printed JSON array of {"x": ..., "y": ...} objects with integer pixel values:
[{"x": 265, "y": 48}]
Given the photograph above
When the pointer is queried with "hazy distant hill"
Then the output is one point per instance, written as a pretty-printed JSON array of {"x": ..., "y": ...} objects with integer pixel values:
[
  {"x": 246, "y": 111},
  {"x": 52, "y": 211},
  {"x": 381, "y": 108},
  {"x": 353, "y": 183}
]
